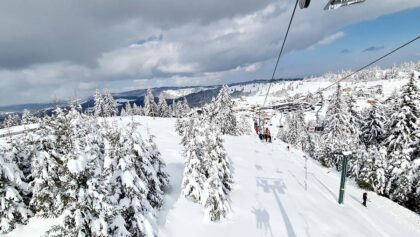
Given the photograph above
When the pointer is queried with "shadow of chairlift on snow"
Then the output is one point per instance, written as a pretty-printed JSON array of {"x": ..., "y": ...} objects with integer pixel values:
[{"x": 277, "y": 186}]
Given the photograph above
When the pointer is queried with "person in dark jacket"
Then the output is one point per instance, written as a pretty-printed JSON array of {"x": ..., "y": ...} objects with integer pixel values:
[
  {"x": 260, "y": 134},
  {"x": 364, "y": 199}
]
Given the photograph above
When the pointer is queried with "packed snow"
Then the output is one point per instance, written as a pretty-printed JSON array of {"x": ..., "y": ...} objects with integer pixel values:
[{"x": 269, "y": 196}]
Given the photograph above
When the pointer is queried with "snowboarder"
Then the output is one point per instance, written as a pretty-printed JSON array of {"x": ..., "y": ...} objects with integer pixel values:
[
  {"x": 267, "y": 135},
  {"x": 364, "y": 199}
]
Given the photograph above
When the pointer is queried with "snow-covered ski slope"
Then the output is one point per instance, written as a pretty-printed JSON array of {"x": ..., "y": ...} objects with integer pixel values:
[{"x": 269, "y": 196}]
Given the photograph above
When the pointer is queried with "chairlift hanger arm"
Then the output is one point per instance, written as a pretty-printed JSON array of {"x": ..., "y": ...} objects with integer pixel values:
[{"x": 332, "y": 4}]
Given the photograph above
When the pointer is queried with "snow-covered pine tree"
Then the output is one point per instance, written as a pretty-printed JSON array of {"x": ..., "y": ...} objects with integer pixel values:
[
  {"x": 180, "y": 125},
  {"x": 207, "y": 179},
  {"x": 372, "y": 130},
  {"x": 338, "y": 133},
  {"x": 297, "y": 134},
  {"x": 14, "y": 190},
  {"x": 150, "y": 107},
  {"x": 128, "y": 109},
  {"x": 179, "y": 109},
  {"x": 123, "y": 113},
  {"x": 163, "y": 109},
  {"x": 135, "y": 109},
  {"x": 127, "y": 186},
  {"x": 99, "y": 104},
  {"x": 85, "y": 214},
  {"x": 372, "y": 176},
  {"x": 244, "y": 126},
  {"x": 158, "y": 178},
  {"x": 219, "y": 181},
  {"x": 174, "y": 109},
  {"x": 355, "y": 118},
  {"x": 194, "y": 177},
  {"x": 28, "y": 117},
  {"x": 185, "y": 107},
  {"x": 138, "y": 110},
  {"x": 391, "y": 105},
  {"x": 11, "y": 120},
  {"x": 50, "y": 197},
  {"x": 402, "y": 134},
  {"x": 221, "y": 112},
  {"x": 110, "y": 105}
]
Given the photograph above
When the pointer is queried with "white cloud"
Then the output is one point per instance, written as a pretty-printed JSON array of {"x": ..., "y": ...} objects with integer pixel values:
[{"x": 200, "y": 48}]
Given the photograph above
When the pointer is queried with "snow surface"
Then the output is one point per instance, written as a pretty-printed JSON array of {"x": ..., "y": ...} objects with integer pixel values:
[{"x": 268, "y": 196}]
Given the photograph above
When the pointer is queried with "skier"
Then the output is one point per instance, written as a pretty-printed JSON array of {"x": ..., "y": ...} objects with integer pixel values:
[
  {"x": 267, "y": 135},
  {"x": 288, "y": 148},
  {"x": 257, "y": 129},
  {"x": 364, "y": 199},
  {"x": 260, "y": 134}
]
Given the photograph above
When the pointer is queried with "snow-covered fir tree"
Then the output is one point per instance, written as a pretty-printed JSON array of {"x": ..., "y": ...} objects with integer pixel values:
[
  {"x": 194, "y": 172},
  {"x": 179, "y": 109},
  {"x": 297, "y": 133},
  {"x": 110, "y": 105},
  {"x": 372, "y": 129},
  {"x": 150, "y": 107},
  {"x": 338, "y": 133},
  {"x": 219, "y": 180},
  {"x": 185, "y": 107},
  {"x": 244, "y": 126},
  {"x": 138, "y": 110},
  {"x": 14, "y": 191},
  {"x": 158, "y": 178},
  {"x": 123, "y": 113},
  {"x": 372, "y": 176},
  {"x": 401, "y": 135},
  {"x": 163, "y": 109},
  {"x": 84, "y": 214},
  {"x": 50, "y": 197},
  {"x": 207, "y": 179},
  {"x": 28, "y": 117},
  {"x": 99, "y": 104},
  {"x": 221, "y": 112},
  {"x": 129, "y": 177},
  {"x": 128, "y": 109},
  {"x": 11, "y": 120}
]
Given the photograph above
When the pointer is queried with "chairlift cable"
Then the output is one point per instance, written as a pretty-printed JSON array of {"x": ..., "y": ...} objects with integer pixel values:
[
  {"x": 280, "y": 53},
  {"x": 371, "y": 63},
  {"x": 278, "y": 60}
]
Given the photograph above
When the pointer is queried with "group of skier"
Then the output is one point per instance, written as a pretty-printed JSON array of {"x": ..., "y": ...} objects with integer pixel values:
[{"x": 263, "y": 134}]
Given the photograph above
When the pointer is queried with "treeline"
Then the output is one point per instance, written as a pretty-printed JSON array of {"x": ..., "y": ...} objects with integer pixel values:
[
  {"x": 102, "y": 179},
  {"x": 106, "y": 106},
  {"x": 384, "y": 140}
]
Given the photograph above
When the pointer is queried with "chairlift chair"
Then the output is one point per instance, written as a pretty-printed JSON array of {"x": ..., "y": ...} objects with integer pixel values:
[{"x": 332, "y": 4}]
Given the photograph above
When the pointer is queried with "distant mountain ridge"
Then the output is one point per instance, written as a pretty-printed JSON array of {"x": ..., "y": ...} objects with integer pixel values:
[{"x": 196, "y": 96}]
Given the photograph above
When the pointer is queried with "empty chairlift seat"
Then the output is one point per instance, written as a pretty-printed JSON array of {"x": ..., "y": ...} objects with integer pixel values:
[{"x": 334, "y": 4}]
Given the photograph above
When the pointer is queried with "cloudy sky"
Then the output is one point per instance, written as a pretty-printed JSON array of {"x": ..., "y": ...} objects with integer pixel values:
[{"x": 59, "y": 48}]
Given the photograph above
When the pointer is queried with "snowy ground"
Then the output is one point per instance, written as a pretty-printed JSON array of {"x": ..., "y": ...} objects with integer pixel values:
[{"x": 269, "y": 196}]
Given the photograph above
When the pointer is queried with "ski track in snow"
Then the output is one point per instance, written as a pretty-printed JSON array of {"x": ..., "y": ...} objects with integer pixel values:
[{"x": 268, "y": 196}]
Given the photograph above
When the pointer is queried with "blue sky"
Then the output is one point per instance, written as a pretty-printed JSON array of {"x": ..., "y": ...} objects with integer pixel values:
[
  {"x": 384, "y": 34},
  {"x": 50, "y": 49}
]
